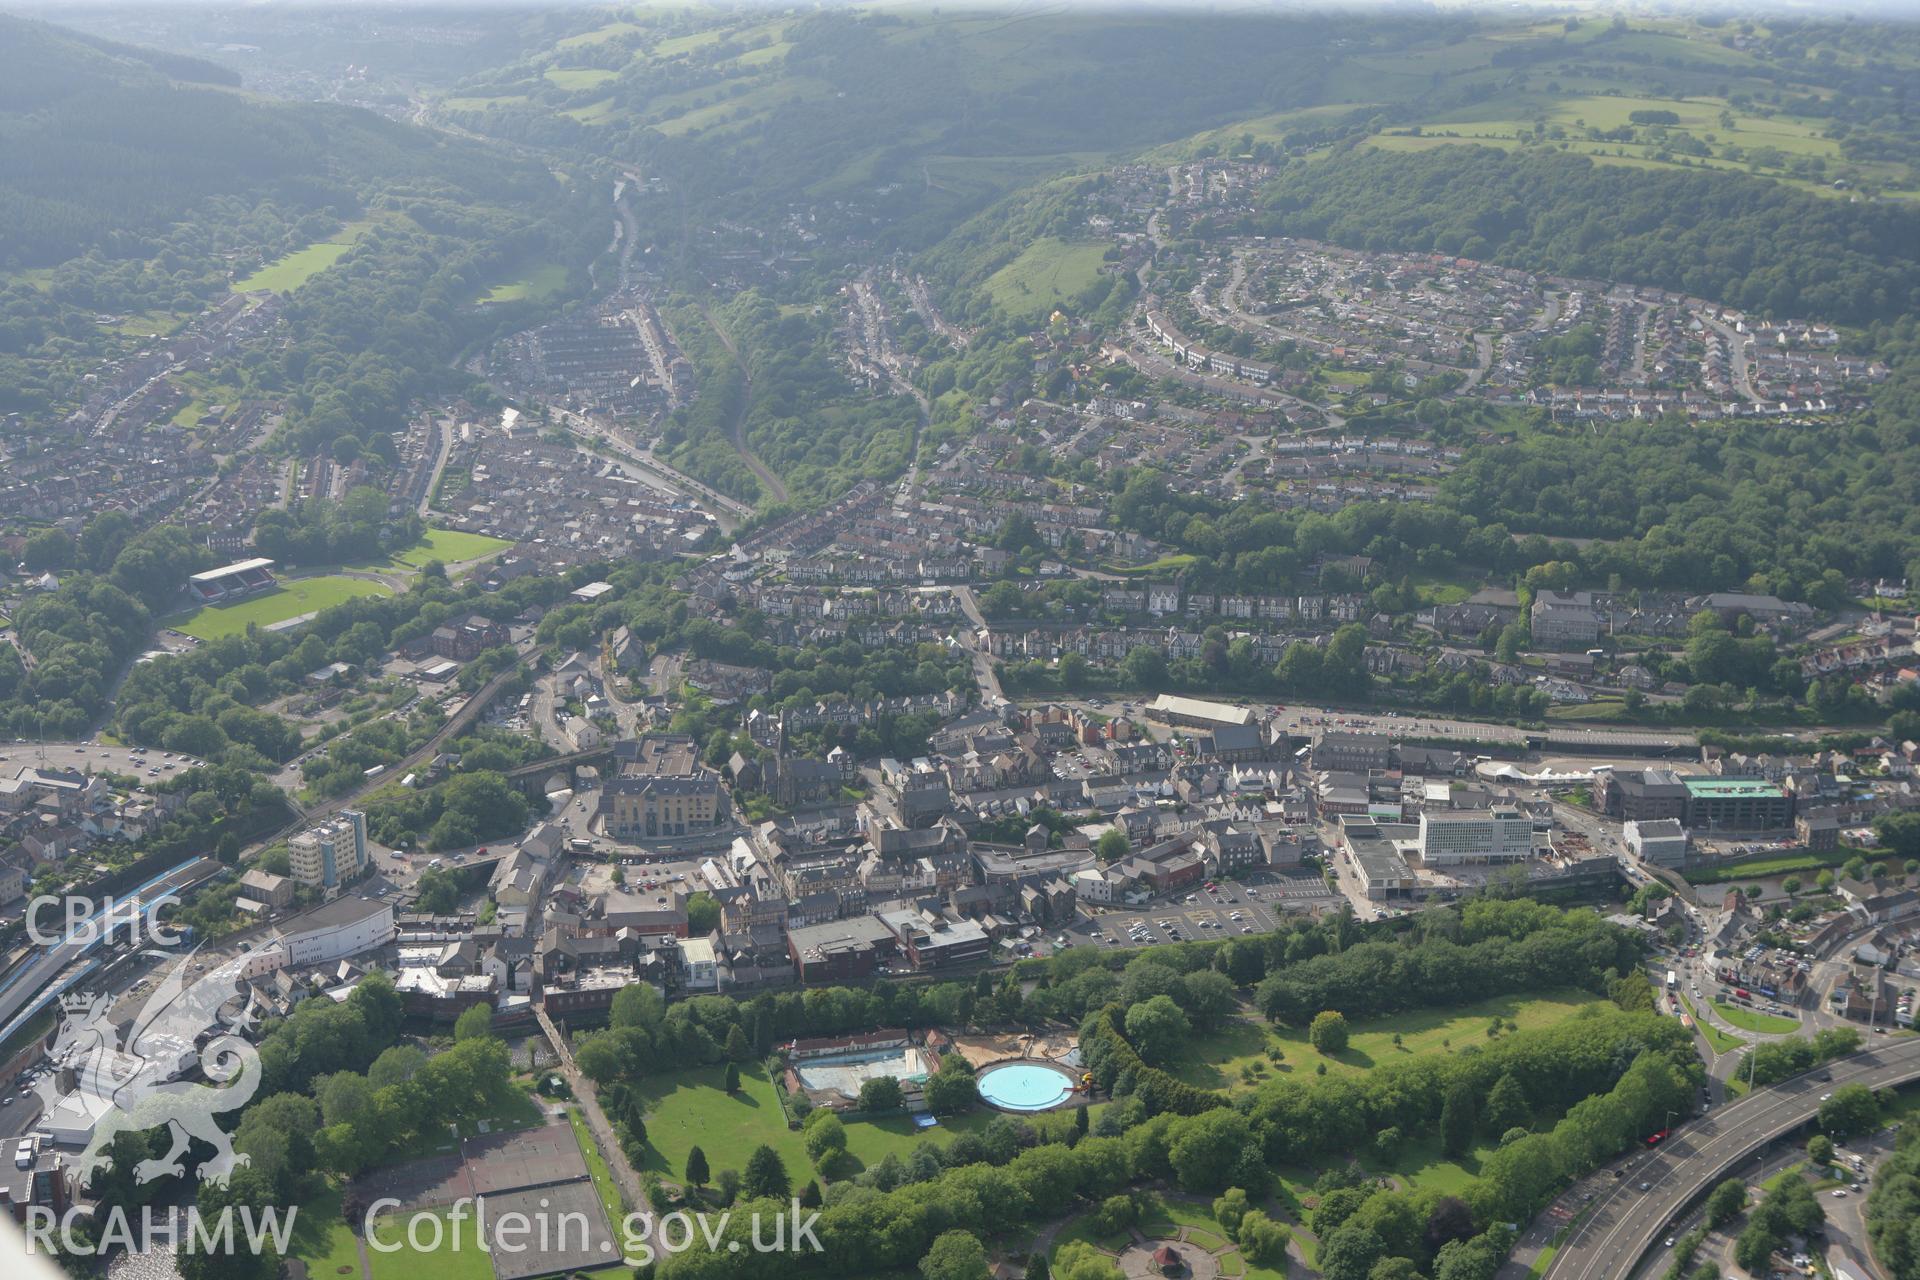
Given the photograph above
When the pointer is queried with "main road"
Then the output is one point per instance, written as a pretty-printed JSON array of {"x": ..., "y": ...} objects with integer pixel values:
[{"x": 1626, "y": 1220}]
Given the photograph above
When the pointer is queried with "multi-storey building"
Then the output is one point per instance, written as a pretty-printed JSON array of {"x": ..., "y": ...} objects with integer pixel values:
[{"x": 331, "y": 854}]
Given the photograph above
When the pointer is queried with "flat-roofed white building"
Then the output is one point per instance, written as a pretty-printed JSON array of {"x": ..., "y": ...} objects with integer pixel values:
[
  {"x": 1450, "y": 837},
  {"x": 1659, "y": 841}
]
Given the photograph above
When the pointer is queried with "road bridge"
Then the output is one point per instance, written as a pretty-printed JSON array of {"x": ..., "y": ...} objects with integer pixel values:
[{"x": 1626, "y": 1220}]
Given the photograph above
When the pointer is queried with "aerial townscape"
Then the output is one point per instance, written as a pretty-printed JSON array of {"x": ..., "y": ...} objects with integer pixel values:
[{"x": 757, "y": 642}]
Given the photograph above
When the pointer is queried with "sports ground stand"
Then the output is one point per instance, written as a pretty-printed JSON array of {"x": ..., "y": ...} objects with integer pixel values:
[
  {"x": 230, "y": 582},
  {"x": 537, "y": 1173}
]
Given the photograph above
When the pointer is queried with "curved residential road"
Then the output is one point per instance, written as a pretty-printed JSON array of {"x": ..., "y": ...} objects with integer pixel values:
[{"x": 1626, "y": 1220}]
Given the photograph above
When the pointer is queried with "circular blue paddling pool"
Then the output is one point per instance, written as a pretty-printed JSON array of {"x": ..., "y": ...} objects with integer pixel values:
[{"x": 1024, "y": 1086}]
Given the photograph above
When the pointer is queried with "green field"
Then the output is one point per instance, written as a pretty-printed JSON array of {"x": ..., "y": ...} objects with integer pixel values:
[
  {"x": 580, "y": 77},
  {"x": 535, "y": 285},
  {"x": 294, "y": 270},
  {"x": 449, "y": 546},
  {"x": 1165, "y": 564},
  {"x": 595, "y": 36},
  {"x": 1748, "y": 1020},
  {"x": 459, "y": 1255},
  {"x": 598, "y": 113},
  {"x": 688, "y": 1109},
  {"x": 289, "y": 600},
  {"x": 322, "y": 1239},
  {"x": 1760, "y": 868},
  {"x": 1048, "y": 273},
  {"x": 1215, "y": 1061}
]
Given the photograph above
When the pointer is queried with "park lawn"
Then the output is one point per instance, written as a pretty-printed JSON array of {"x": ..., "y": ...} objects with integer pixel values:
[
  {"x": 300, "y": 266},
  {"x": 1048, "y": 272},
  {"x": 458, "y": 1257},
  {"x": 535, "y": 285},
  {"x": 688, "y": 1109},
  {"x": 1748, "y": 1020},
  {"x": 322, "y": 1240},
  {"x": 292, "y": 598},
  {"x": 1420, "y": 1166},
  {"x": 1082, "y": 1232},
  {"x": 1174, "y": 1214},
  {"x": 1214, "y": 1061}
]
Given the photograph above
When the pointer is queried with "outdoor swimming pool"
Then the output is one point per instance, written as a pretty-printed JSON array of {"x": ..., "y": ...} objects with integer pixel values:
[
  {"x": 846, "y": 1072},
  {"x": 1025, "y": 1086}
]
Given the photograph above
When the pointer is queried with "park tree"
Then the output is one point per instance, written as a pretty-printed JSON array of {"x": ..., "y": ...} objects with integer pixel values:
[
  {"x": 1351, "y": 1252},
  {"x": 1820, "y": 1149},
  {"x": 1080, "y": 1260},
  {"x": 1263, "y": 1240},
  {"x": 955, "y": 1255},
  {"x": 1328, "y": 1032},
  {"x": 1395, "y": 1269},
  {"x": 732, "y": 1078},
  {"x": 1506, "y": 1107},
  {"x": 697, "y": 1172},
  {"x": 738, "y": 1050},
  {"x": 1457, "y": 1119},
  {"x": 1228, "y": 1209},
  {"x": 1213, "y": 1149},
  {"x": 951, "y": 1089},
  {"x": 1157, "y": 1028},
  {"x": 825, "y": 1136},
  {"x": 1207, "y": 997},
  {"x": 765, "y": 1177},
  {"x": 881, "y": 1093}
]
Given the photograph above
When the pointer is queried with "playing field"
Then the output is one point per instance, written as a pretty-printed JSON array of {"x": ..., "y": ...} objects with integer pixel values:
[
  {"x": 541, "y": 282},
  {"x": 1050, "y": 271},
  {"x": 1217, "y": 1061},
  {"x": 294, "y": 270},
  {"x": 290, "y": 599},
  {"x": 449, "y": 546}
]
